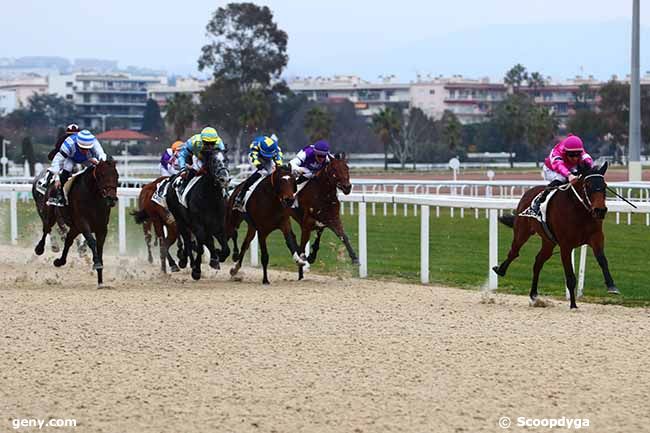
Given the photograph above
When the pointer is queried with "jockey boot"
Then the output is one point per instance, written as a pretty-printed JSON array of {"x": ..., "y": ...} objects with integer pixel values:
[
  {"x": 186, "y": 179},
  {"x": 239, "y": 200},
  {"x": 57, "y": 197},
  {"x": 537, "y": 203}
]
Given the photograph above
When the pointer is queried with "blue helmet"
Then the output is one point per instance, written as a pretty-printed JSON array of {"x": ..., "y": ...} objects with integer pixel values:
[{"x": 268, "y": 146}]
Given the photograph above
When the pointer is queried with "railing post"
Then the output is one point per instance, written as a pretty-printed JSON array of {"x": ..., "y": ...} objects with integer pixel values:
[
  {"x": 121, "y": 224},
  {"x": 363, "y": 241},
  {"x": 14, "y": 218},
  {"x": 424, "y": 244},
  {"x": 493, "y": 282},
  {"x": 581, "y": 272},
  {"x": 254, "y": 247}
]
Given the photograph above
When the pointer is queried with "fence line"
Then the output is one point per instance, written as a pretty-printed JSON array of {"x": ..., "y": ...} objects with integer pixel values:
[{"x": 493, "y": 206}]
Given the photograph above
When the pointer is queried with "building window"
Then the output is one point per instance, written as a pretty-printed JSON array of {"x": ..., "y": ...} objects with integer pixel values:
[
  {"x": 321, "y": 94},
  {"x": 68, "y": 97},
  {"x": 86, "y": 99},
  {"x": 69, "y": 84},
  {"x": 432, "y": 92}
]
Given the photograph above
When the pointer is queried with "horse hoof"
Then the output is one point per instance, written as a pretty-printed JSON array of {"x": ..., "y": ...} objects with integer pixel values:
[
  {"x": 150, "y": 260},
  {"x": 182, "y": 263},
  {"x": 573, "y": 307},
  {"x": 55, "y": 249},
  {"x": 356, "y": 262},
  {"x": 498, "y": 271},
  {"x": 266, "y": 282},
  {"x": 59, "y": 262},
  {"x": 39, "y": 249},
  {"x": 196, "y": 275},
  {"x": 174, "y": 268},
  {"x": 311, "y": 259},
  {"x": 214, "y": 264},
  {"x": 613, "y": 290},
  {"x": 235, "y": 257},
  {"x": 233, "y": 271}
]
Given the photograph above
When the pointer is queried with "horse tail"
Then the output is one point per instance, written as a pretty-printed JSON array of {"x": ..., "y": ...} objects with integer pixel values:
[
  {"x": 508, "y": 220},
  {"x": 140, "y": 216}
]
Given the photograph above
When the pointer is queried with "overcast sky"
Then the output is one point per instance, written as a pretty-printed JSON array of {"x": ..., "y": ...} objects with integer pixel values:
[{"x": 367, "y": 38}]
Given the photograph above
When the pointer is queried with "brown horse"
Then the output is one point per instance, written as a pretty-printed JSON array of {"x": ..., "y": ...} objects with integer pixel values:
[
  {"x": 319, "y": 207},
  {"x": 46, "y": 212},
  {"x": 266, "y": 211},
  {"x": 91, "y": 197},
  {"x": 575, "y": 216},
  {"x": 151, "y": 213}
]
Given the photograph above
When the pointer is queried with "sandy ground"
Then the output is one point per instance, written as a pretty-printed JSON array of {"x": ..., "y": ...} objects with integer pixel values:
[{"x": 165, "y": 354}]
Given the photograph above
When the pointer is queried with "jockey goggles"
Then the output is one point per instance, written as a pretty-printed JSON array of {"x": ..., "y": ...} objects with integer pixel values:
[{"x": 574, "y": 154}]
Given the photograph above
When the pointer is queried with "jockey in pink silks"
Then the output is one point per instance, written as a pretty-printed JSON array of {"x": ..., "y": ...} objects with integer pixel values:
[{"x": 559, "y": 165}]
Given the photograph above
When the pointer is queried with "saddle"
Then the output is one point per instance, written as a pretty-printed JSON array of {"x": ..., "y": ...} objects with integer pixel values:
[
  {"x": 250, "y": 192},
  {"x": 181, "y": 192},
  {"x": 299, "y": 187},
  {"x": 541, "y": 217}
]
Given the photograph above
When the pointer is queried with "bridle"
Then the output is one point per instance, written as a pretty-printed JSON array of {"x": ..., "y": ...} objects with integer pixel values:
[{"x": 586, "y": 202}]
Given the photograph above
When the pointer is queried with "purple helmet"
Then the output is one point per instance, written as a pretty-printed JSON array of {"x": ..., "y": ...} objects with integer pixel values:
[{"x": 321, "y": 147}]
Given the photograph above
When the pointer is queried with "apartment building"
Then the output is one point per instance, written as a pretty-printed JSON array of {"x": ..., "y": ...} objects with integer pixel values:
[
  {"x": 118, "y": 99},
  {"x": 161, "y": 93},
  {"x": 368, "y": 98}
]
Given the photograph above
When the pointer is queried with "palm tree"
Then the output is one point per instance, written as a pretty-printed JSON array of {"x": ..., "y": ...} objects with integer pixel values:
[
  {"x": 180, "y": 113},
  {"x": 318, "y": 123},
  {"x": 386, "y": 124}
]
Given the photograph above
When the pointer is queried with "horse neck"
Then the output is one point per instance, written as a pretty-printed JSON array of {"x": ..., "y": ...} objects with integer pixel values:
[{"x": 88, "y": 181}]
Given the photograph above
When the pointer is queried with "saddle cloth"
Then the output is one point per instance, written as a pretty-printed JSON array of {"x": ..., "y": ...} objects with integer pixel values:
[
  {"x": 182, "y": 197},
  {"x": 542, "y": 208},
  {"x": 68, "y": 185},
  {"x": 299, "y": 188},
  {"x": 160, "y": 195},
  {"x": 250, "y": 191}
]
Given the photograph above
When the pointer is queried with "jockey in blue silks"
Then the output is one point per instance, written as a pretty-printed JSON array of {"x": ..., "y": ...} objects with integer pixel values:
[{"x": 81, "y": 148}]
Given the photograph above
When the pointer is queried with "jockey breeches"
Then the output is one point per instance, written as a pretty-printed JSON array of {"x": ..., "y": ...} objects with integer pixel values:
[{"x": 550, "y": 175}]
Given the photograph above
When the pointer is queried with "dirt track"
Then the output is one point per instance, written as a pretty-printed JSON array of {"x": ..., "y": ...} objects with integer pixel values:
[{"x": 157, "y": 354}]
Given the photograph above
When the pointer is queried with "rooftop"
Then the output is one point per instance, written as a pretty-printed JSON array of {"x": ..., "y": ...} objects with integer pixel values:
[{"x": 122, "y": 134}]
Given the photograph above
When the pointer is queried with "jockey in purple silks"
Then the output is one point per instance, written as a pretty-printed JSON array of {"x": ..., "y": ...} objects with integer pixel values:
[
  {"x": 559, "y": 165},
  {"x": 168, "y": 160},
  {"x": 310, "y": 160}
]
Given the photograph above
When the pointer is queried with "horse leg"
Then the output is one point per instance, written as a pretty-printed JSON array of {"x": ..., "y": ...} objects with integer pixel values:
[
  {"x": 597, "y": 244},
  {"x": 69, "y": 239},
  {"x": 146, "y": 228},
  {"x": 265, "y": 259},
  {"x": 172, "y": 236},
  {"x": 224, "y": 251},
  {"x": 291, "y": 242},
  {"x": 235, "y": 248},
  {"x": 163, "y": 247},
  {"x": 92, "y": 243},
  {"x": 250, "y": 234},
  {"x": 316, "y": 246},
  {"x": 304, "y": 238},
  {"x": 542, "y": 256},
  {"x": 101, "y": 237},
  {"x": 569, "y": 275},
  {"x": 521, "y": 235},
  {"x": 337, "y": 228},
  {"x": 48, "y": 222}
]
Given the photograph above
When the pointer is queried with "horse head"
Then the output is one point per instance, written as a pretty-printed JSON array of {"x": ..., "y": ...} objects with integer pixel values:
[
  {"x": 594, "y": 186},
  {"x": 284, "y": 185},
  {"x": 216, "y": 168},
  {"x": 338, "y": 171},
  {"x": 106, "y": 176}
]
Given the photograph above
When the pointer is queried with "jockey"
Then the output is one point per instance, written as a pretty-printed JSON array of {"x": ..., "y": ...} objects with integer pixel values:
[
  {"x": 193, "y": 149},
  {"x": 168, "y": 160},
  {"x": 71, "y": 129},
  {"x": 265, "y": 155},
  {"x": 559, "y": 165},
  {"x": 310, "y": 160},
  {"x": 82, "y": 148}
]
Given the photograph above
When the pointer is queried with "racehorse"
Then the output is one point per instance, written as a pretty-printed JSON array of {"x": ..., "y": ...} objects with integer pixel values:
[
  {"x": 151, "y": 213},
  {"x": 204, "y": 216},
  {"x": 575, "y": 216},
  {"x": 91, "y": 197},
  {"x": 266, "y": 211},
  {"x": 319, "y": 206},
  {"x": 44, "y": 212}
]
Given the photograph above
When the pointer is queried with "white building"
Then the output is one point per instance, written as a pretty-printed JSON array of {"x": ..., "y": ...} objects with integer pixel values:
[
  {"x": 17, "y": 92},
  {"x": 161, "y": 93},
  {"x": 8, "y": 102},
  {"x": 102, "y": 98},
  {"x": 368, "y": 98}
]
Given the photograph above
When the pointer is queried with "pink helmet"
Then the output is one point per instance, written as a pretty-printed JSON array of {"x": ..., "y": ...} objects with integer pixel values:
[{"x": 573, "y": 143}]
